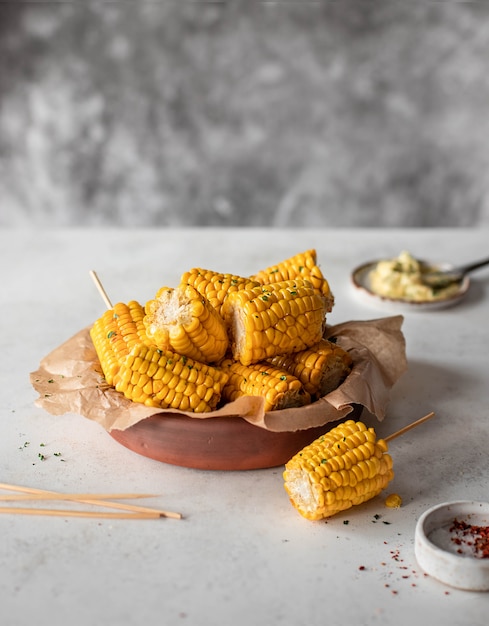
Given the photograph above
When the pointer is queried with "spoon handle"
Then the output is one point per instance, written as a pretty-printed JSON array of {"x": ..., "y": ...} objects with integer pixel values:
[{"x": 465, "y": 269}]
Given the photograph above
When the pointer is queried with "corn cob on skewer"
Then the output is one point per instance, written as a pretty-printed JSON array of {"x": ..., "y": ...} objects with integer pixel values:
[
  {"x": 344, "y": 467},
  {"x": 215, "y": 286},
  {"x": 164, "y": 379},
  {"x": 320, "y": 368},
  {"x": 115, "y": 333},
  {"x": 183, "y": 320},
  {"x": 280, "y": 389},
  {"x": 279, "y": 318},
  {"x": 303, "y": 265}
]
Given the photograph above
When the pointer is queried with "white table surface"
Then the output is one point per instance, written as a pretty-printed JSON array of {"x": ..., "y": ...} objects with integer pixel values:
[{"x": 242, "y": 554}]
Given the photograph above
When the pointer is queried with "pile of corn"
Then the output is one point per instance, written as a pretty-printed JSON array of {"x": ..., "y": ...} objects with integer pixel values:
[{"x": 216, "y": 337}]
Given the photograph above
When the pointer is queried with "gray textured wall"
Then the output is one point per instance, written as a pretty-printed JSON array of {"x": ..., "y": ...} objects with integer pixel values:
[{"x": 332, "y": 113}]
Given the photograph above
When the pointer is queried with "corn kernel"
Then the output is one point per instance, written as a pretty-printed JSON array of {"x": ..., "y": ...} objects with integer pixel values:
[{"x": 393, "y": 501}]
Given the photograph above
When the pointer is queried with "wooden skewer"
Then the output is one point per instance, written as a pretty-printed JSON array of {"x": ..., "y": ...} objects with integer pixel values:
[
  {"x": 30, "y": 491},
  {"x": 90, "y": 499},
  {"x": 409, "y": 426},
  {"x": 126, "y": 508},
  {"x": 76, "y": 497},
  {"x": 101, "y": 289},
  {"x": 73, "y": 513}
]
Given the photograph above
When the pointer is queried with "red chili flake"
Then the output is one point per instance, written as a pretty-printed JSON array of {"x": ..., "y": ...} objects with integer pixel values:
[
  {"x": 361, "y": 568},
  {"x": 396, "y": 555},
  {"x": 476, "y": 537}
]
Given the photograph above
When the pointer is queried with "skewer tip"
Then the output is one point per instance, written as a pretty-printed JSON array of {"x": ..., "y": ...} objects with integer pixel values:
[
  {"x": 100, "y": 288},
  {"x": 409, "y": 426}
]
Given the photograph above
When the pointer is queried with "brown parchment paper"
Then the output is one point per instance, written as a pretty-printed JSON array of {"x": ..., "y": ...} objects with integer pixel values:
[{"x": 69, "y": 380}]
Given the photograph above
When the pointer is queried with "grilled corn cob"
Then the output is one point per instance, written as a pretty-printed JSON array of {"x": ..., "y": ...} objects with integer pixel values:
[
  {"x": 279, "y": 318},
  {"x": 215, "y": 286},
  {"x": 320, "y": 368},
  {"x": 280, "y": 389},
  {"x": 346, "y": 466},
  {"x": 303, "y": 265},
  {"x": 115, "y": 333},
  {"x": 183, "y": 321},
  {"x": 163, "y": 379}
]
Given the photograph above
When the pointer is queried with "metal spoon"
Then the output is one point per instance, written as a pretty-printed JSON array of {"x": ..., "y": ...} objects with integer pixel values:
[{"x": 441, "y": 278}]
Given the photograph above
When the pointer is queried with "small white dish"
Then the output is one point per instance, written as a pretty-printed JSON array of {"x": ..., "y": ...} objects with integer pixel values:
[
  {"x": 446, "y": 552},
  {"x": 360, "y": 279}
]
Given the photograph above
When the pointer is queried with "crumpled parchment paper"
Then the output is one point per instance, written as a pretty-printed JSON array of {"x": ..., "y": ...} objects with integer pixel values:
[{"x": 69, "y": 380}]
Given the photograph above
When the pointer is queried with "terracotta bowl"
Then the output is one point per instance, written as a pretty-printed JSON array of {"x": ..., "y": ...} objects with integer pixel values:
[{"x": 228, "y": 443}]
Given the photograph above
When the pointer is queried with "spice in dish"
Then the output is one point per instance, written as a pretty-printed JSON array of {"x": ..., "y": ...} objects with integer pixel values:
[
  {"x": 402, "y": 278},
  {"x": 462, "y": 538},
  {"x": 471, "y": 536}
]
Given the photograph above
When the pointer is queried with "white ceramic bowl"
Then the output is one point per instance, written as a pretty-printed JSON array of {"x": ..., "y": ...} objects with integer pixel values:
[{"x": 447, "y": 554}]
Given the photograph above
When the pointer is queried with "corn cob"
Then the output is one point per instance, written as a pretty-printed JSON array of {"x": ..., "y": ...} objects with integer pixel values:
[
  {"x": 280, "y": 389},
  {"x": 163, "y": 379},
  {"x": 279, "y": 318},
  {"x": 183, "y": 321},
  {"x": 302, "y": 265},
  {"x": 215, "y": 286},
  {"x": 320, "y": 368},
  {"x": 345, "y": 467},
  {"x": 115, "y": 333}
]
